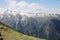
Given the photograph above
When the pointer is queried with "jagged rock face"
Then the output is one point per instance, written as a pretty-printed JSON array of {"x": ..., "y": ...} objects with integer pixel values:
[
  {"x": 41, "y": 27},
  {"x": 44, "y": 26}
]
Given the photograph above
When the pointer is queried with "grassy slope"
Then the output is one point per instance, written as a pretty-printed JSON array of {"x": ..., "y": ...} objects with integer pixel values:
[{"x": 10, "y": 34}]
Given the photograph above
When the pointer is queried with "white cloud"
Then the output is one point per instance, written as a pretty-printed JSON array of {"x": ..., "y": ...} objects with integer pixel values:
[
  {"x": 24, "y": 6},
  {"x": 33, "y": 7},
  {"x": 1, "y": 11},
  {"x": 57, "y": 10},
  {"x": 27, "y": 7},
  {"x": 36, "y": 7},
  {"x": 11, "y": 4}
]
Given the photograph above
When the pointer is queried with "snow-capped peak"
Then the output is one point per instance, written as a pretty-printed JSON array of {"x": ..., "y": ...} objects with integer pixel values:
[{"x": 41, "y": 14}]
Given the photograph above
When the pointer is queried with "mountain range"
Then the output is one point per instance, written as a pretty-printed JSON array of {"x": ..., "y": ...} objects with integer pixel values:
[{"x": 41, "y": 25}]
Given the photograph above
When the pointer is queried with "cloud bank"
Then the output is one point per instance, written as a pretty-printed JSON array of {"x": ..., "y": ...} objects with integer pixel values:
[{"x": 24, "y": 6}]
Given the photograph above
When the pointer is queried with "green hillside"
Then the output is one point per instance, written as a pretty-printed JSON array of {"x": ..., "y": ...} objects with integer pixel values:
[{"x": 10, "y": 34}]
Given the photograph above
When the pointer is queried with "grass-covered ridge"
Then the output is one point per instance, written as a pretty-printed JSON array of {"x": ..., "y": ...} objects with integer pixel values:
[{"x": 10, "y": 34}]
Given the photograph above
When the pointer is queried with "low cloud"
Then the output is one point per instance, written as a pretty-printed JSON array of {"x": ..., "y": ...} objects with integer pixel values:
[{"x": 57, "y": 10}]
